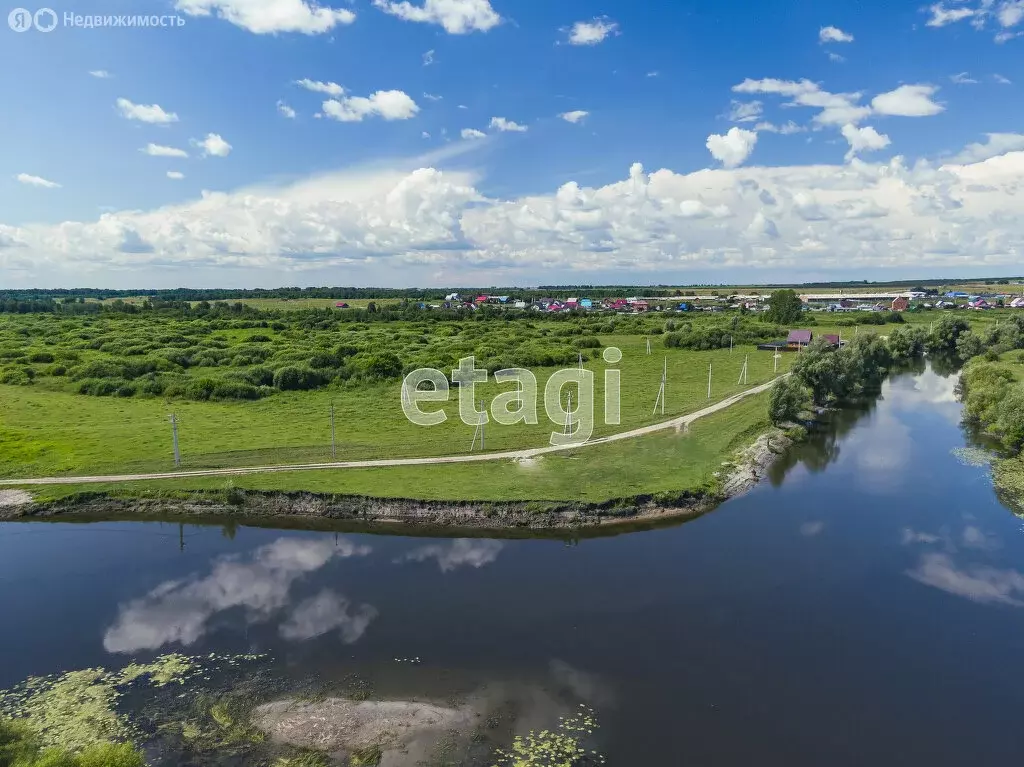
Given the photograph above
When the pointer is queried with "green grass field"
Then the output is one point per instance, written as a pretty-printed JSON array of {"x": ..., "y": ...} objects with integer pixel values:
[
  {"x": 664, "y": 462},
  {"x": 49, "y": 433}
]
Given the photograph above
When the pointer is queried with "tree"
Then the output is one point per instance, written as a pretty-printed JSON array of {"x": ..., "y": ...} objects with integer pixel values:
[
  {"x": 944, "y": 335},
  {"x": 969, "y": 344},
  {"x": 786, "y": 400},
  {"x": 784, "y": 307}
]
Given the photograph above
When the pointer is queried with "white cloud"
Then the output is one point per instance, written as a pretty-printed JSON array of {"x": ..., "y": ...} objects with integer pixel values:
[
  {"x": 1005, "y": 37},
  {"x": 865, "y": 139},
  {"x": 213, "y": 146},
  {"x": 745, "y": 111},
  {"x": 462, "y": 552},
  {"x": 733, "y": 148},
  {"x": 100, "y": 73},
  {"x": 1010, "y": 14},
  {"x": 424, "y": 134},
  {"x": 787, "y": 128},
  {"x": 472, "y": 133},
  {"x": 331, "y": 89},
  {"x": 908, "y": 101},
  {"x": 575, "y": 116},
  {"x": 836, "y": 108},
  {"x": 175, "y": 175},
  {"x": 503, "y": 125},
  {"x": 1002, "y": 80},
  {"x": 832, "y": 56},
  {"x": 156, "y": 150},
  {"x": 285, "y": 111},
  {"x": 399, "y": 225},
  {"x": 151, "y": 113},
  {"x": 428, "y": 58},
  {"x": 834, "y": 35},
  {"x": 263, "y": 17},
  {"x": 388, "y": 105},
  {"x": 25, "y": 178},
  {"x": 941, "y": 16},
  {"x": 458, "y": 17},
  {"x": 653, "y": 73},
  {"x": 812, "y": 529},
  {"x": 995, "y": 144},
  {"x": 326, "y": 612},
  {"x": 431, "y": 97},
  {"x": 592, "y": 32},
  {"x": 963, "y": 78},
  {"x": 180, "y": 611}
]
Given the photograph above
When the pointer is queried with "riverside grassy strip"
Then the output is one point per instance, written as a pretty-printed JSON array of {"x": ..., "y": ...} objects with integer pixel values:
[{"x": 64, "y": 419}]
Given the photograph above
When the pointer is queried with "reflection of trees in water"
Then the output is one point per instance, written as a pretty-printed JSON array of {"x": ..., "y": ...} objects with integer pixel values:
[
  {"x": 945, "y": 365},
  {"x": 822, "y": 446}
]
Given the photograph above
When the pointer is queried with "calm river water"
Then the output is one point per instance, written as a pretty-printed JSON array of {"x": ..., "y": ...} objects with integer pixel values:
[{"x": 864, "y": 607}]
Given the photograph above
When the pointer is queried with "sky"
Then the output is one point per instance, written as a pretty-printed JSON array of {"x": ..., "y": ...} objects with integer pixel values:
[{"x": 399, "y": 143}]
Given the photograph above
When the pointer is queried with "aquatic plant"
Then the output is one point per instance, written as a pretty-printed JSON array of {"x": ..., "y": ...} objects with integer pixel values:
[
  {"x": 77, "y": 710},
  {"x": 19, "y": 747},
  {"x": 561, "y": 747},
  {"x": 305, "y": 758},
  {"x": 972, "y": 456}
]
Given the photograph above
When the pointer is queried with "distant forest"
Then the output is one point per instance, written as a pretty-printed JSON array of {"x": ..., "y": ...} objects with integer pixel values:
[{"x": 438, "y": 294}]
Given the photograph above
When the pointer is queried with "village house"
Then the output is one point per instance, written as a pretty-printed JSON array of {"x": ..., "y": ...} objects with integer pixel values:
[
  {"x": 900, "y": 304},
  {"x": 798, "y": 339}
]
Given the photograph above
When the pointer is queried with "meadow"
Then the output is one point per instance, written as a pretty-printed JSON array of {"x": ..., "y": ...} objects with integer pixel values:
[{"x": 92, "y": 394}]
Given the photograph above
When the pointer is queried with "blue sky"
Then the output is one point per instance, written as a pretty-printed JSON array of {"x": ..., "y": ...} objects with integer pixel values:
[{"x": 700, "y": 90}]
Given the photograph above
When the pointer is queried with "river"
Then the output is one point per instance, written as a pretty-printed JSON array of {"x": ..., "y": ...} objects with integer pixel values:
[{"x": 863, "y": 607}]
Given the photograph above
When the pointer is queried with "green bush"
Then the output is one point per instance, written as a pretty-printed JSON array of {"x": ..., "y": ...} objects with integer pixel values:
[
  {"x": 14, "y": 376},
  {"x": 40, "y": 357},
  {"x": 295, "y": 378}
]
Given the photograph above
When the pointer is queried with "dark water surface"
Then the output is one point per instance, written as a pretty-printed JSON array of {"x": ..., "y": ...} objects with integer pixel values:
[{"x": 863, "y": 608}]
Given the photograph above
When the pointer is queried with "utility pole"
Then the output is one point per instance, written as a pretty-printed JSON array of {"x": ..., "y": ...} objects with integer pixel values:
[
  {"x": 174, "y": 435},
  {"x": 743, "y": 372},
  {"x": 648, "y": 345},
  {"x": 661, "y": 390},
  {"x": 334, "y": 449},
  {"x": 777, "y": 356},
  {"x": 730, "y": 344},
  {"x": 567, "y": 431},
  {"x": 709, "y": 380},
  {"x": 479, "y": 428}
]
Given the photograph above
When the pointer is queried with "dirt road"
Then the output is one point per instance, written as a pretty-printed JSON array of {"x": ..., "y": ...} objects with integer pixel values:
[{"x": 674, "y": 423}]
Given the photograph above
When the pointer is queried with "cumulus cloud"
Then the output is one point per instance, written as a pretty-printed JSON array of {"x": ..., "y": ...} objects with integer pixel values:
[
  {"x": 147, "y": 113},
  {"x": 285, "y": 111},
  {"x": 963, "y": 78},
  {"x": 834, "y": 35},
  {"x": 263, "y": 17},
  {"x": 865, "y": 139},
  {"x": 213, "y": 145},
  {"x": 577, "y": 115},
  {"x": 837, "y": 109},
  {"x": 457, "y": 17},
  {"x": 25, "y": 178},
  {"x": 388, "y": 105},
  {"x": 503, "y": 125},
  {"x": 908, "y": 101},
  {"x": 157, "y": 150},
  {"x": 400, "y": 225},
  {"x": 102, "y": 74},
  {"x": 733, "y": 148},
  {"x": 592, "y": 32},
  {"x": 180, "y": 611},
  {"x": 995, "y": 144},
  {"x": 472, "y": 133},
  {"x": 175, "y": 175},
  {"x": 462, "y": 552}
]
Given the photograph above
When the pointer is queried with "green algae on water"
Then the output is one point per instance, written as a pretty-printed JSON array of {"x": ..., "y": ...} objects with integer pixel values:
[
  {"x": 561, "y": 747},
  {"x": 78, "y": 709}
]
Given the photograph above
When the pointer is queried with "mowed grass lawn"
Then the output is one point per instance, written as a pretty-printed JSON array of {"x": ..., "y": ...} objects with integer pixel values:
[
  {"x": 667, "y": 461},
  {"x": 48, "y": 433}
]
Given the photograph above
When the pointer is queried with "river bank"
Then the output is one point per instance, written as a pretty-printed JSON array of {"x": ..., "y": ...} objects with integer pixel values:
[{"x": 748, "y": 466}]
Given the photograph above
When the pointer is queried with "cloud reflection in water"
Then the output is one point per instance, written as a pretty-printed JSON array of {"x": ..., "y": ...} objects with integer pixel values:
[{"x": 179, "y": 611}]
